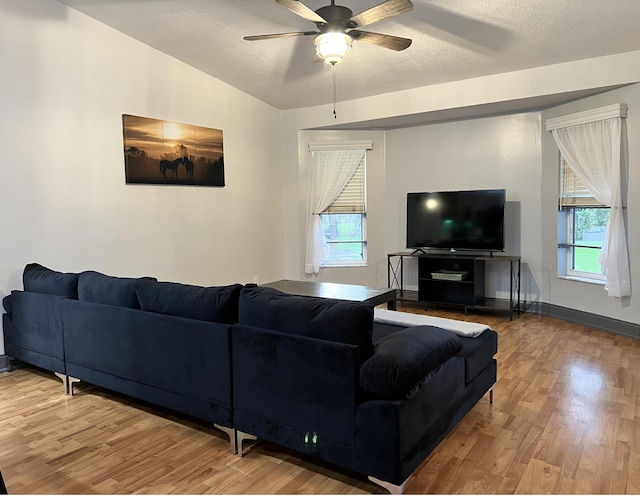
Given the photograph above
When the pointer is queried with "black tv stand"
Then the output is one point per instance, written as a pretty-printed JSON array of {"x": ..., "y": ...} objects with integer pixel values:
[
  {"x": 454, "y": 279},
  {"x": 418, "y": 251}
]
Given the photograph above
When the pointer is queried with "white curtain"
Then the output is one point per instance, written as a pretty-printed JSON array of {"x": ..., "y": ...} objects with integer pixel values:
[
  {"x": 329, "y": 173},
  {"x": 594, "y": 151}
]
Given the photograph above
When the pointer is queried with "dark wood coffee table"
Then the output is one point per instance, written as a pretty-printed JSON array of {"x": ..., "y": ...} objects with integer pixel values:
[{"x": 350, "y": 292}]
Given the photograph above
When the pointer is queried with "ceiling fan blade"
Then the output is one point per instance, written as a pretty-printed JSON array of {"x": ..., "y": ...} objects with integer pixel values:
[
  {"x": 297, "y": 7},
  {"x": 384, "y": 40},
  {"x": 259, "y": 37},
  {"x": 386, "y": 9}
]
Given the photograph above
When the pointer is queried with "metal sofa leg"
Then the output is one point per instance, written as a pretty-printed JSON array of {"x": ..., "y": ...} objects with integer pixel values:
[
  {"x": 65, "y": 381},
  {"x": 241, "y": 438},
  {"x": 5, "y": 363},
  {"x": 392, "y": 488},
  {"x": 491, "y": 395},
  {"x": 231, "y": 432},
  {"x": 72, "y": 380}
]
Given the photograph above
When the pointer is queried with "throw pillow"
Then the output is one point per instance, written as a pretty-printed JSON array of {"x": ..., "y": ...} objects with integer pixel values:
[
  {"x": 214, "y": 304},
  {"x": 40, "y": 279},
  {"x": 95, "y": 287},
  {"x": 403, "y": 358}
]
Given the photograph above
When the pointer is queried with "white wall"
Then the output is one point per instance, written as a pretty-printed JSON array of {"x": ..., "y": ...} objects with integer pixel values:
[
  {"x": 65, "y": 82},
  {"x": 518, "y": 135},
  {"x": 579, "y": 295},
  {"x": 485, "y": 153},
  {"x": 497, "y": 152}
]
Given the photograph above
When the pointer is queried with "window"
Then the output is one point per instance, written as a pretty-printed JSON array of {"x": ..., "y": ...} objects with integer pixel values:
[
  {"x": 344, "y": 224},
  {"x": 583, "y": 221},
  {"x": 336, "y": 205},
  {"x": 594, "y": 143}
]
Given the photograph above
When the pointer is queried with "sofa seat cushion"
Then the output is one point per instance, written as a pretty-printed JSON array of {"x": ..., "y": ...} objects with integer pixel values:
[
  {"x": 95, "y": 287},
  {"x": 37, "y": 278},
  {"x": 478, "y": 353},
  {"x": 213, "y": 304},
  {"x": 403, "y": 358},
  {"x": 348, "y": 322}
]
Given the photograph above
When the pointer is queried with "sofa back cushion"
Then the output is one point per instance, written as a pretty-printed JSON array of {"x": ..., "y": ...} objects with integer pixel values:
[
  {"x": 341, "y": 321},
  {"x": 7, "y": 303},
  {"x": 213, "y": 304},
  {"x": 95, "y": 287},
  {"x": 402, "y": 359},
  {"x": 37, "y": 278}
]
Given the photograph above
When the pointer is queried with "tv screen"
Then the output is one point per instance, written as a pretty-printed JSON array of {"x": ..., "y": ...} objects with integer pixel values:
[{"x": 456, "y": 220}]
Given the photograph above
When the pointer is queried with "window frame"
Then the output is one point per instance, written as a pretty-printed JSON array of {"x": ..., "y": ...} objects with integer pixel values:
[
  {"x": 347, "y": 262},
  {"x": 360, "y": 198},
  {"x": 568, "y": 204},
  {"x": 569, "y": 246}
]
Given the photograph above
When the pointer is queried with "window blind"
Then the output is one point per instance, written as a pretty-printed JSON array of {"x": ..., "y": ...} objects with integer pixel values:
[
  {"x": 573, "y": 193},
  {"x": 352, "y": 199}
]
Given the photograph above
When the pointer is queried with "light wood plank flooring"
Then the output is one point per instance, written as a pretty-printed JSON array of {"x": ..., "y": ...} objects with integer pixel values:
[{"x": 566, "y": 419}]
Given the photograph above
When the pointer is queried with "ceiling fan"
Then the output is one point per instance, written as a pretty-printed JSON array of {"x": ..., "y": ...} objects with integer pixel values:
[{"x": 337, "y": 27}]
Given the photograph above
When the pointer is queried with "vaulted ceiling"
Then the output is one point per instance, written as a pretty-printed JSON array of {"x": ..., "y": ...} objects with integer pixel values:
[{"x": 452, "y": 40}]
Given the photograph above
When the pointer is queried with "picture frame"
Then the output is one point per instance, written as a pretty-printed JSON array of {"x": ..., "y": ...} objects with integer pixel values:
[{"x": 164, "y": 152}]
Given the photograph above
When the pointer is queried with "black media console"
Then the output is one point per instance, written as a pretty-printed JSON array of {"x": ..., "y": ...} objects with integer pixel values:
[{"x": 454, "y": 280}]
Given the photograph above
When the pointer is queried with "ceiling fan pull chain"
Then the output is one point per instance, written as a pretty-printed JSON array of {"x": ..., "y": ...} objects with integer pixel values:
[{"x": 333, "y": 68}]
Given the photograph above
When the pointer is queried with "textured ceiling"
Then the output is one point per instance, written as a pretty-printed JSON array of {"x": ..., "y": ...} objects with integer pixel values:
[{"x": 452, "y": 40}]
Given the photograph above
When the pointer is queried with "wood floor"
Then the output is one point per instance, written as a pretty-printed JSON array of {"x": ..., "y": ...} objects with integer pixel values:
[{"x": 566, "y": 419}]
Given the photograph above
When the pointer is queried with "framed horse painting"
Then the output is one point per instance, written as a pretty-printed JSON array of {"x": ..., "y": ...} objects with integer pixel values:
[{"x": 165, "y": 152}]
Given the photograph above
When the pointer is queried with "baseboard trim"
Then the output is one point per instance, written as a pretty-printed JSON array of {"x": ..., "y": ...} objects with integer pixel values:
[
  {"x": 531, "y": 306},
  {"x": 4, "y": 363},
  {"x": 601, "y": 322}
]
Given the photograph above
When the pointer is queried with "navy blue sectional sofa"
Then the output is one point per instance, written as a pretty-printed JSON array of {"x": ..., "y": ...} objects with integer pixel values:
[
  {"x": 315, "y": 375},
  {"x": 165, "y": 343}
]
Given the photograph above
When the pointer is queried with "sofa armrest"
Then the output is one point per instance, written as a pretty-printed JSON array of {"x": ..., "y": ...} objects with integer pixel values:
[{"x": 36, "y": 323}]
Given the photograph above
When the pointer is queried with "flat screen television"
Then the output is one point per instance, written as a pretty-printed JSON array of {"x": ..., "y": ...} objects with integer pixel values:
[{"x": 456, "y": 220}]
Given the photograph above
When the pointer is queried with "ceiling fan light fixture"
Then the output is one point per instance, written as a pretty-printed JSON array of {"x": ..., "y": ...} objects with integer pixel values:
[{"x": 332, "y": 46}]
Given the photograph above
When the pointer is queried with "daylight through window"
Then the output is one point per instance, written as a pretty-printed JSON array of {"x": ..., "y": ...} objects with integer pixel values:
[
  {"x": 344, "y": 223},
  {"x": 583, "y": 221}
]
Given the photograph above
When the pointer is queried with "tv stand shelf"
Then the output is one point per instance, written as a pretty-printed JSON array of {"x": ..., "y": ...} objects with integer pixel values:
[{"x": 454, "y": 280}]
